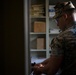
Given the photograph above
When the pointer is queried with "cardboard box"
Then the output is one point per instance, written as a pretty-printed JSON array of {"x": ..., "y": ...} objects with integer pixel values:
[
  {"x": 37, "y": 7},
  {"x": 40, "y": 43},
  {"x": 39, "y": 27},
  {"x": 37, "y": 10},
  {"x": 37, "y": 14}
]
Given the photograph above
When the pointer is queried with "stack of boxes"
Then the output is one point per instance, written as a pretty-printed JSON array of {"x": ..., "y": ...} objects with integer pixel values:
[
  {"x": 40, "y": 26},
  {"x": 37, "y": 10}
]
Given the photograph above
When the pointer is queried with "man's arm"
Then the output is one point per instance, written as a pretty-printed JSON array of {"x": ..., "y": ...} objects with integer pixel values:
[
  {"x": 45, "y": 61},
  {"x": 54, "y": 63}
]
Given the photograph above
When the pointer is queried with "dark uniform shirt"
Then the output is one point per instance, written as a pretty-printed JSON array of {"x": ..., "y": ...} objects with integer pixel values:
[{"x": 65, "y": 44}]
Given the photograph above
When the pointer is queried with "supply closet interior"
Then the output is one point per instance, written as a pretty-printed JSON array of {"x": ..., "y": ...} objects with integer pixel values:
[{"x": 43, "y": 28}]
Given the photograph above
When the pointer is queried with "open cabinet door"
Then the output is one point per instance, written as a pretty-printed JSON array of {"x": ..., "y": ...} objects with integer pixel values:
[{"x": 15, "y": 56}]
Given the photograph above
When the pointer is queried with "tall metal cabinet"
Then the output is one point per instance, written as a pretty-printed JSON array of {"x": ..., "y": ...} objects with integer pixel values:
[
  {"x": 42, "y": 29},
  {"x": 41, "y": 13}
]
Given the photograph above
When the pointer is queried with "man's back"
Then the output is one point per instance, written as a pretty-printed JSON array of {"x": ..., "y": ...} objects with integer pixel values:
[{"x": 69, "y": 51}]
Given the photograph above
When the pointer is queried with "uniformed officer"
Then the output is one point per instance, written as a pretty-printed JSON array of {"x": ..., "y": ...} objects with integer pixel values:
[{"x": 63, "y": 54}]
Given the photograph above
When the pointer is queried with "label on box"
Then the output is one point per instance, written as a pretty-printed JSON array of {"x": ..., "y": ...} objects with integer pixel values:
[{"x": 51, "y": 11}]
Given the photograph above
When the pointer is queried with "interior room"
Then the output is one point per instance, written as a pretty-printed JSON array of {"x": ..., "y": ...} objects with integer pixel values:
[{"x": 26, "y": 32}]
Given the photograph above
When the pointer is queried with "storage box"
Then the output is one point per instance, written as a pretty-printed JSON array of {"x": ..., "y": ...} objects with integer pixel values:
[
  {"x": 37, "y": 7},
  {"x": 37, "y": 14},
  {"x": 37, "y": 10},
  {"x": 39, "y": 27},
  {"x": 40, "y": 43},
  {"x": 51, "y": 10}
]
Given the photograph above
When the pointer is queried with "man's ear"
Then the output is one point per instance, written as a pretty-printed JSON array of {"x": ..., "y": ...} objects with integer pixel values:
[{"x": 65, "y": 16}]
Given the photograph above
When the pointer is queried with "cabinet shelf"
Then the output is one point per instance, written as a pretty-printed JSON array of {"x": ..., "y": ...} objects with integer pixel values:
[
  {"x": 53, "y": 33},
  {"x": 35, "y": 33},
  {"x": 38, "y": 50},
  {"x": 38, "y": 16},
  {"x": 42, "y": 29}
]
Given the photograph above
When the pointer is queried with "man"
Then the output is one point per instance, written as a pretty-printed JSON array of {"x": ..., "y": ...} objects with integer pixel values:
[{"x": 63, "y": 54}]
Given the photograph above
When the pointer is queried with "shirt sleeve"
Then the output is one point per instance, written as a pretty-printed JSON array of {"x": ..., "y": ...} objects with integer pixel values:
[{"x": 57, "y": 46}]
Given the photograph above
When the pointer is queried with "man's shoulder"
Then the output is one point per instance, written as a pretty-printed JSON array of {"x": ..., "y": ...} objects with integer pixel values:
[{"x": 67, "y": 32}]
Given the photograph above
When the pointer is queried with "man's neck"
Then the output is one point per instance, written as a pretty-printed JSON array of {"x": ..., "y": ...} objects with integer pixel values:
[{"x": 70, "y": 24}]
